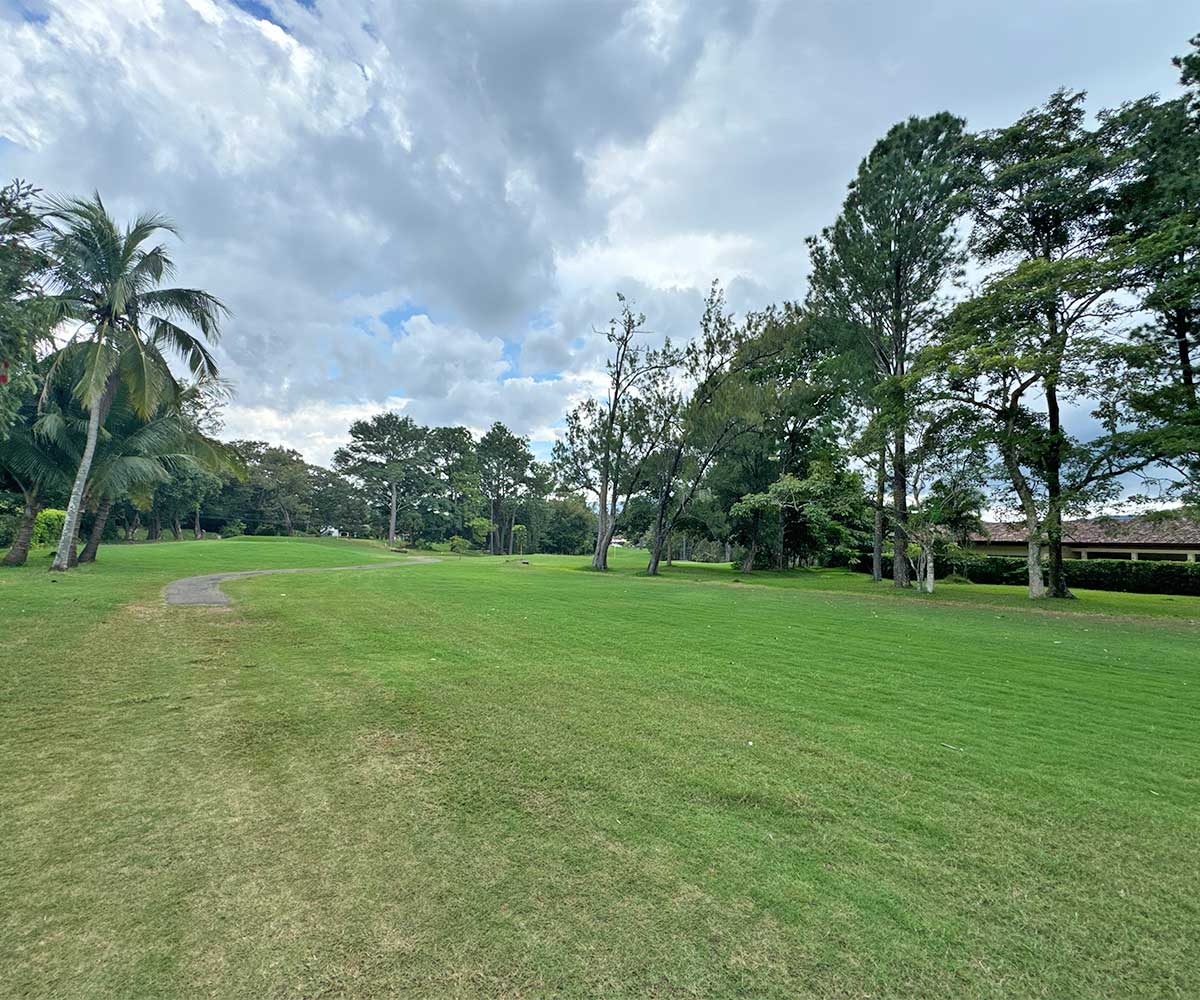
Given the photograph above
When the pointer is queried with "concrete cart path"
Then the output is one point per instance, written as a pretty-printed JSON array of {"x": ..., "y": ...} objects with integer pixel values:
[{"x": 206, "y": 589}]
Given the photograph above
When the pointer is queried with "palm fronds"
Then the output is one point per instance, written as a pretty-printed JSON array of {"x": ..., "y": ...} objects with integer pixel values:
[{"x": 107, "y": 279}]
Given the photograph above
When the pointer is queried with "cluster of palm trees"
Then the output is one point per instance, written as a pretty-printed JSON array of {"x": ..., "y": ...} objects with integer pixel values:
[{"x": 103, "y": 416}]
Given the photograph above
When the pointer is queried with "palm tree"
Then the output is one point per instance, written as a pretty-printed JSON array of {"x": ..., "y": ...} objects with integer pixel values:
[
  {"x": 35, "y": 461},
  {"x": 135, "y": 455},
  {"x": 132, "y": 457},
  {"x": 107, "y": 281}
]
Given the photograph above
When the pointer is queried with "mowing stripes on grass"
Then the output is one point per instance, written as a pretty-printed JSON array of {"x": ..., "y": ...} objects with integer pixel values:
[{"x": 483, "y": 778}]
